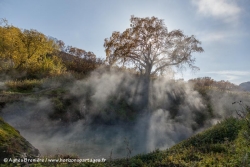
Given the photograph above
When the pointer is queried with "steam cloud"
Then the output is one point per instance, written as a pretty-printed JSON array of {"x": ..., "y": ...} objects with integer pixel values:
[{"x": 174, "y": 112}]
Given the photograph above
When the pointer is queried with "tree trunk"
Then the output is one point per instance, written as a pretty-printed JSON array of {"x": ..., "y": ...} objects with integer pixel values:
[
  {"x": 147, "y": 86},
  {"x": 146, "y": 92}
]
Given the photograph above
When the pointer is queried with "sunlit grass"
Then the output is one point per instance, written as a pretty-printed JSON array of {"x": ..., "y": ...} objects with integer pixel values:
[{"x": 26, "y": 85}]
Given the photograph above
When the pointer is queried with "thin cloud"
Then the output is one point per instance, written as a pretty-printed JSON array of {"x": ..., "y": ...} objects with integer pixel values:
[
  {"x": 240, "y": 73},
  {"x": 222, "y": 9},
  {"x": 210, "y": 37},
  {"x": 229, "y": 36},
  {"x": 232, "y": 76}
]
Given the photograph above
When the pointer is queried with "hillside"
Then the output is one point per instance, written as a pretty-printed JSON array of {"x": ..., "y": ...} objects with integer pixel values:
[
  {"x": 12, "y": 144},
  {"x": 245, "y": 86},
  {"x": 224, "y": 144}
]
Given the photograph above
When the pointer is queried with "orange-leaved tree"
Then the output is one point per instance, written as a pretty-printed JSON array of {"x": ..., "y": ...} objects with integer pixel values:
[{"x": 150, "y": 48}]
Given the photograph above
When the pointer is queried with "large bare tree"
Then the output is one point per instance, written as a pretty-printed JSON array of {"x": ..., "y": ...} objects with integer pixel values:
[{"x": 150, "y": 47}]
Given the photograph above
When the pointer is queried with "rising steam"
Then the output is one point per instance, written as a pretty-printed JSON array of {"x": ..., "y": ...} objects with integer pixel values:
[{"x": 175, "y": 112}]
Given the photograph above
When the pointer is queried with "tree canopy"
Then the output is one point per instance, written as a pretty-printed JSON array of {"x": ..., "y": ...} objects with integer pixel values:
[
  {"x": 27, "y": 51},
  {"x": 150, "y": 48}
]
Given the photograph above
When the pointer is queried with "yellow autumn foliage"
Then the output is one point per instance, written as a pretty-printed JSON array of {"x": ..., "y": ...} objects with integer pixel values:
[{"x": 28, "y": 52}]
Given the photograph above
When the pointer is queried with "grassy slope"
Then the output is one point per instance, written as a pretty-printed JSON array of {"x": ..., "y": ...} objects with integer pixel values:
[
  {"x": 224, "y": 144},
  {"x": 12, "y": 143}
]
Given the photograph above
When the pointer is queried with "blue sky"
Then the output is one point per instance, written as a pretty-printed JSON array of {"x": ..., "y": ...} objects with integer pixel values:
[{"x": 221, "y": 25}]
